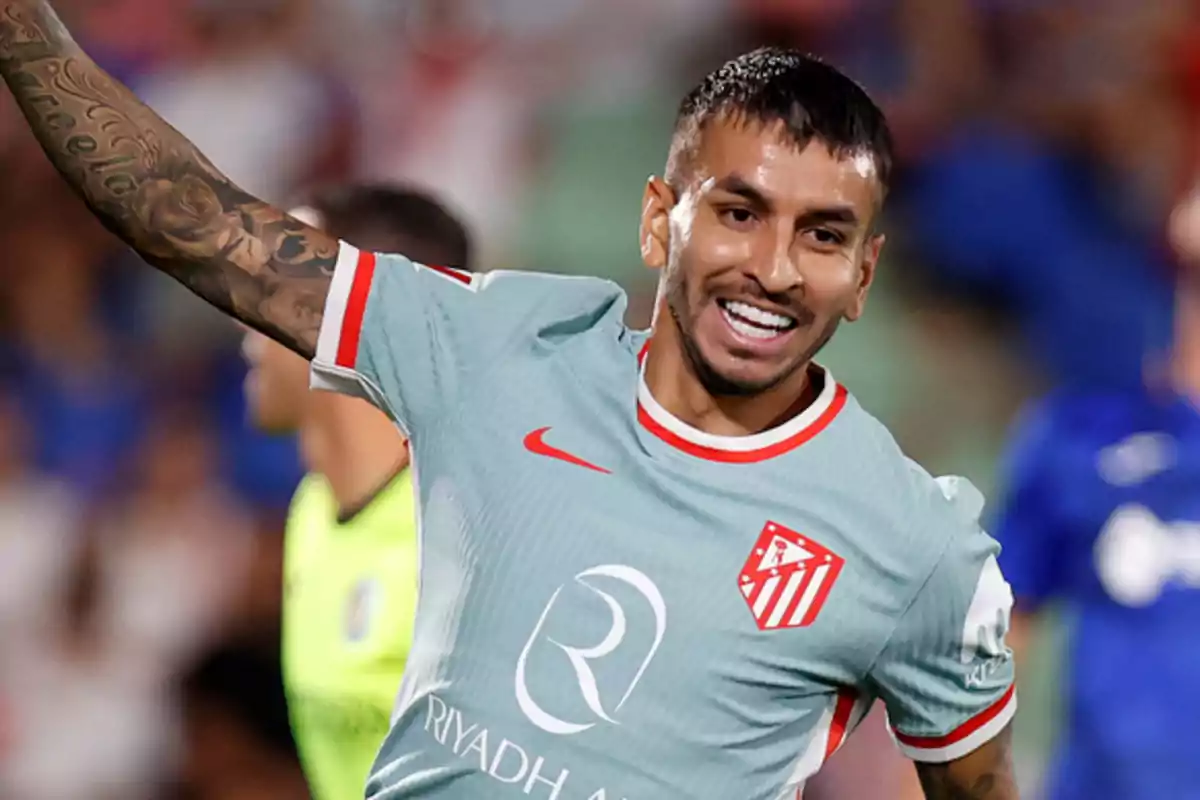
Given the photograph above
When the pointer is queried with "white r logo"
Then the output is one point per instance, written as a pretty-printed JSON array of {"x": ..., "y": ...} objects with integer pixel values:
[{"x": 580, "y": 657}]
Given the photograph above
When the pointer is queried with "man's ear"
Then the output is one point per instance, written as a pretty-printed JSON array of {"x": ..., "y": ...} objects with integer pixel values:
[
  {"x": 655, "y": 229},
  {"x": 870, "y": 261}
]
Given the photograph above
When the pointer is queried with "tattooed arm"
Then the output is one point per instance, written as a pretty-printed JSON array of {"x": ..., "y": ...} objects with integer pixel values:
[
  {"x": 151, "y": 187},
  {"x": 985, "y": 774}
]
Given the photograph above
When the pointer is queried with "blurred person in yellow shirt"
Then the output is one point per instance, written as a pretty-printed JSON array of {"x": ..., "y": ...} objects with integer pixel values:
[{"x": 351, "y": 548}]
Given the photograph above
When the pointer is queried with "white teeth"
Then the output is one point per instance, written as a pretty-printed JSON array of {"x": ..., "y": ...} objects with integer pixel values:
[
  {"x": 748, "y": 330},
  {"x": 751, "y": 331},
  {"x": 758, "y": 316}
]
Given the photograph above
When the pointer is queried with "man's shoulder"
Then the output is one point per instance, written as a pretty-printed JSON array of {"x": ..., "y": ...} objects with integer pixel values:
[
  {"x": 902, "y": 530},
  {"x": 542, "y": 278},
  {"x": 517, "y": 292},
  {"x": 871, "y": 456},
  {"x": 555, "y": 306},
  {"x": 918, "y": 510}
]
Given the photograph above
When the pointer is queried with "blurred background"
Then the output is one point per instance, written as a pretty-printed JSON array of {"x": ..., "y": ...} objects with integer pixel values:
[{"x": 1042, "y": 146}]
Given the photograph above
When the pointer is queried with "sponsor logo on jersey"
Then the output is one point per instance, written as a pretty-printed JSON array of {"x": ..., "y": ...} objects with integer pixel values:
[
  {"x": 984, "y": 651},
  {"x": 516, "y": 767},
  {"x": 362, "y": 607},
  {"x": 787, "y": 578},
  {"x": 590, "y": 685},
  {"x": 597, "y": 581}
]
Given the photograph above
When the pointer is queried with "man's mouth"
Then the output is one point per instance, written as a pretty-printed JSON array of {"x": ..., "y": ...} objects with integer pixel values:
[{"x": 754, "y": 322}]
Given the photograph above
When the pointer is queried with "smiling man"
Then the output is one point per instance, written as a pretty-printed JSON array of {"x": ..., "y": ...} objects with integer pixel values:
[{"x": 677, "y": 563}]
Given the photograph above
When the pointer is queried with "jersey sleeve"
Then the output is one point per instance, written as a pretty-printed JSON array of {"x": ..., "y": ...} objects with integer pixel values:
[
  {"x": 946, "y": 674},
  {"x": 416, "y": 340},
  {"x": 1028, "y": 524}
]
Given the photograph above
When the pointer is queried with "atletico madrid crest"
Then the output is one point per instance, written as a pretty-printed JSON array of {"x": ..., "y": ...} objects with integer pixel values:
[{"x": 787, "y": 577}]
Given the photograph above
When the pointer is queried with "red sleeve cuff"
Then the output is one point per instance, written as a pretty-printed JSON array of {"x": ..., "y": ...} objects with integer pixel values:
[{"x": 964, "y": 739}]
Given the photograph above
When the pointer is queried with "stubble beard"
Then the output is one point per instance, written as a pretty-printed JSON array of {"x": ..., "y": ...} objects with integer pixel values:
[{"x": 716, "y": 384}]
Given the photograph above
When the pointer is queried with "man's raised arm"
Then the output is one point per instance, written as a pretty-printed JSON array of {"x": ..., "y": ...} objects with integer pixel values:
[{"x": 151, "y": 187}]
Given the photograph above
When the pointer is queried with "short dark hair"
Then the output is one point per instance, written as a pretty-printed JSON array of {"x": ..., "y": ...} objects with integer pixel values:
[
  {"x": 812, "y": 100},
  {"x": 421, "y": 226}
]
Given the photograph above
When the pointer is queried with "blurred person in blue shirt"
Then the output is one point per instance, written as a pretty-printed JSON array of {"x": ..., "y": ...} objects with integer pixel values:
[
  {"x": 1103, "y": 515},
  {"x": 1045, "y": 194}
]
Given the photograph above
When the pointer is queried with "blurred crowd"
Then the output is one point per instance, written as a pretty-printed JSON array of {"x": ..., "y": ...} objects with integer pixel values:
[{"x": 1042, "y": 146}]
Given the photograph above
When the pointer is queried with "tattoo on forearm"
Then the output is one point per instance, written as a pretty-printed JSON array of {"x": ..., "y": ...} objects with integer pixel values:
[
  {"x": 156, "y": 191},
  {"x": 985, "y": 774},
  {"x": 940, "y": 784}
]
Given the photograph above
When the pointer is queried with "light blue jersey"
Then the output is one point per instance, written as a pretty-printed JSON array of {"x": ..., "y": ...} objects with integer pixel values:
[{"x": 616, "y": 606}]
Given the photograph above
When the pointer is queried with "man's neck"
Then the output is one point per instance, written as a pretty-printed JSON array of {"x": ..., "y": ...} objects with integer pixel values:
[
  {"x": 354, "y": 446},
  {"x": 677, "y": 389}
]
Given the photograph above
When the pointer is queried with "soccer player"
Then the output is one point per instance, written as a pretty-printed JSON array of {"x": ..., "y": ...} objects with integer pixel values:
[
  {"x": 350, "y": 566},
  {"x": 1103, "y": 515},
  {"x": 604, "y": 612}
]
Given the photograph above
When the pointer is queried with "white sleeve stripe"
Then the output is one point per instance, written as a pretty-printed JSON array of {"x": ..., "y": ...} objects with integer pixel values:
[
  {"x": 335, "y": 304},
  {"x": 954, "y": 748}
]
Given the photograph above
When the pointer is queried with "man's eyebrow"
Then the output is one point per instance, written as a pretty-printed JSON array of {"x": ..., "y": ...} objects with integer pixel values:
[
  {"x": 737, "y": 185},
  {"x": 845, "y": 215},
  {"x": 837, "y": 214}
]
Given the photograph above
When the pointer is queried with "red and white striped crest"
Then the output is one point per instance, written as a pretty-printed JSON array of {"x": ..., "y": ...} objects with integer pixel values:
[{"x": 787, "y": 577}]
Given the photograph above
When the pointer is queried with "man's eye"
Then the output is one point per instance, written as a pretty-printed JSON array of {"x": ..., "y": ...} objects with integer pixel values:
[
  {"x": 827, "y": 237},
  {"x": 738, "y": 217}
]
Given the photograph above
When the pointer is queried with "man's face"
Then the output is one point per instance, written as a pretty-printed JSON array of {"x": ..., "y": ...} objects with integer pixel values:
[
  {"x": 276, "y": 384},
  {"x": 766, "y": 250}
]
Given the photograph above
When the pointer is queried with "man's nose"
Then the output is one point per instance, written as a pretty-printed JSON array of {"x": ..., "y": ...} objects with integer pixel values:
[{"x": 778, "y": 272}]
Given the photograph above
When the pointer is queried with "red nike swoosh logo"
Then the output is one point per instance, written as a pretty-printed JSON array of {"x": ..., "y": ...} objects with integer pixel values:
[{"x": 535, "y": 442}]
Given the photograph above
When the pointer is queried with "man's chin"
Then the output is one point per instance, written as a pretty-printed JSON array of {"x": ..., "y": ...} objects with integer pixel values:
[{"x": 740, "y": 378}]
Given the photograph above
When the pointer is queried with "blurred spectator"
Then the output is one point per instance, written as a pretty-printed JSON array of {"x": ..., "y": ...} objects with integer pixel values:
[
  {"x": 82, "y": 722},
  {"x": 1050, "y": 199},
  {"x": 923, "y": 60},
  {"x": 239, "y": 745},
  {"x": 248, "y": 98},
  {"x": 133, "y": 37},
  {"x": 1102, "y": 516},
  {"x": 64, "y": 361},
  {"x": 177, "y": 535},
  {"x": 39, "y": 525},
  {"x": 91, "y": 699},
  {"x": 453, "y": 108},
  {"x": 456, "y": 102},
  {"x": 268, "y": 117}
]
